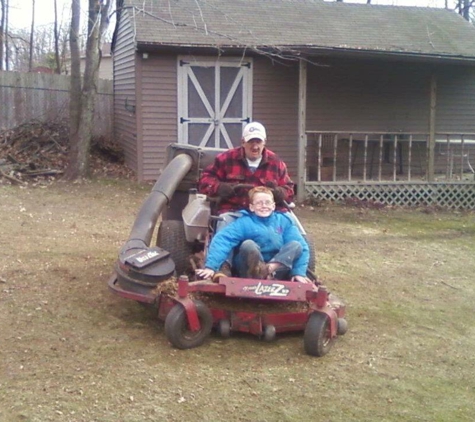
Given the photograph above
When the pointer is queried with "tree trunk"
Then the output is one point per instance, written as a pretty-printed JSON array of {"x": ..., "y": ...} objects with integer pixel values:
[
  {"x": 32, "y": 36},
  {"x": 73, "y": 169},
  {"x": 56, "y": 39},
  {"x": 466, "y": 9},
  {"x": 463, "y": 8},
  {"x": 5, "y": 31},
  {"x": 83, "y": 98},
  {"x": 2, "y": 30}
]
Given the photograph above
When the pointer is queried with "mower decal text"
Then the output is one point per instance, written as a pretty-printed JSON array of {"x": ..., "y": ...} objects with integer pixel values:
[
  {"x": 147, "y": 256},
  {"x": 268, "y": 289}
]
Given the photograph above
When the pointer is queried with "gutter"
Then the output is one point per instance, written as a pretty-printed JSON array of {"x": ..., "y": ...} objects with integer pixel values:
[{"x": 306, "y": 51}]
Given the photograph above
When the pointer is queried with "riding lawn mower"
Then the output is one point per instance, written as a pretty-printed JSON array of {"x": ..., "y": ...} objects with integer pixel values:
[{"x": 159, "y": 271}]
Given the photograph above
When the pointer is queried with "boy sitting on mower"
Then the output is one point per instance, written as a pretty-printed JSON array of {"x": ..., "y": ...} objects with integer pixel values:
[{"x": 269, "y": 243}]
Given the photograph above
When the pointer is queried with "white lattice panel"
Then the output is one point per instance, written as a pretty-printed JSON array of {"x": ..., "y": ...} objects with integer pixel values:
[{"x": 447, "y": 195}]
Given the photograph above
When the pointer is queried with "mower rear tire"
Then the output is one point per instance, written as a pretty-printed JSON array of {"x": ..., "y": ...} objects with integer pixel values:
[
  {"x": 317, "y": 337},
  {"x": 177, "y": 327},
  {"x": 312, "y": 262},
  {"x": 171, "y": 237}
]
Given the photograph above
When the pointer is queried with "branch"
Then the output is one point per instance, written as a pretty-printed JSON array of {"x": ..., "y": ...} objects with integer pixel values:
[
  {"x": 202, "y": 18},
  {"x": 11, "y": 178},
  {"x": 274, "y": 52}
]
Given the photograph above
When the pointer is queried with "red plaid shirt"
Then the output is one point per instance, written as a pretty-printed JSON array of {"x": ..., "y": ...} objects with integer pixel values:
[{"x": 231, "y": 167}]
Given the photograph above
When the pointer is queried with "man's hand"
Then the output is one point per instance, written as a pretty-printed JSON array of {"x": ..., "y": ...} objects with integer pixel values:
[{"x": 225, "y": 190}]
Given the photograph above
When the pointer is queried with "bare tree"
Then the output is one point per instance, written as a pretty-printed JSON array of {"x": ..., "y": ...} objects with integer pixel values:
[
  {"x": 56, "y": 39},
  {"x": 4, "y": 34},
  {"x": 7, "y": 24},
  {"x": 465, "y": 9},
  {"x": 2, "y": 30},
  {"x": 32, "y": 36},
  {"x": 83, "y": 92},
  {"x": 42, "y": 54},
  {"x": 75, "y": 89}
]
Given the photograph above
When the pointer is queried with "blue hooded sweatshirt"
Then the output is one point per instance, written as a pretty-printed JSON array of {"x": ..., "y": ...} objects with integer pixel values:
[{"x": 270, "y": 233}]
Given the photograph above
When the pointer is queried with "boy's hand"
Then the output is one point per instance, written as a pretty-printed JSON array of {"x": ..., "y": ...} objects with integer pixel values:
[
  {"x": 301, "y": 279},
  {"x": 205, "y": 272}
]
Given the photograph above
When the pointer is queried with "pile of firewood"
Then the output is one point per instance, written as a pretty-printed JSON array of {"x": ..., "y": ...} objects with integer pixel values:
[
  {"x": 39, "y": 150},
  {"x": 33, "y": 149}
]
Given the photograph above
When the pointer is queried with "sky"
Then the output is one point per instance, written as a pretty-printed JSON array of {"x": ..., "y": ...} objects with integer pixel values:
[
  {"x": 20, "y": 10},
  {"x": 419, "y": 3}
]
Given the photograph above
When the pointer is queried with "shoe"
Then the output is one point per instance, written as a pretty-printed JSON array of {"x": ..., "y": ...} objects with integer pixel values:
[
  {"x": 256, "y": 268},
  {"x": 280, "y": 272},
  {"x": 224, "y": 271}
]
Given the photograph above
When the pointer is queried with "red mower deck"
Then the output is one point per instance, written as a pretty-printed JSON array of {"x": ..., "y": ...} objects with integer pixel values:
[{"x": 189, "y": 321}]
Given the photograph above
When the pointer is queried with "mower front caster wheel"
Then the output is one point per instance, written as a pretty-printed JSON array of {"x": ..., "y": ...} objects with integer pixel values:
[
  {"x": 317, "y": 337},
  {"x": 224, "y": 328},
  {"x": 342, "y": 326},
  {"x": 269, "y": 333},
  {"x": 178, "y": 331}
]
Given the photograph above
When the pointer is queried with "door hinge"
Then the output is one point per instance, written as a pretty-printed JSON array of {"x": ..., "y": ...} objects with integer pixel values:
[{"x": 182, "y": 120}]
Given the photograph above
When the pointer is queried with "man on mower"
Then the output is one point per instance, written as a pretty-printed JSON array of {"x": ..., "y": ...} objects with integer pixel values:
[
  {"x": 236, "y": 170},
  {"x": 269, "y": 243}
]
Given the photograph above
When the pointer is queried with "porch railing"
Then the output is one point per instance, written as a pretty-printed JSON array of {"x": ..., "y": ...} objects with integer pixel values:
[{"x": 389, "y": 157}]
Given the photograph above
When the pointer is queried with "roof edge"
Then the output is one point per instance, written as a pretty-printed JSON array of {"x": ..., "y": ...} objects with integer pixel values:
[{"x": 297, "y": 52}]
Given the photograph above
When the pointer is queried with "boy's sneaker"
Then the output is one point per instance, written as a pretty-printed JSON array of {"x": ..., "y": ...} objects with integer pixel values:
[
  {"x": 224, "y": 271},
  {"x": 255, "y": 267},
  {"x": 277, "y": 271}
]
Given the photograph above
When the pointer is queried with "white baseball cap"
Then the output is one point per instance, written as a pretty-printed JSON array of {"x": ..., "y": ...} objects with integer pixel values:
[{"x": 254, "y": 130}]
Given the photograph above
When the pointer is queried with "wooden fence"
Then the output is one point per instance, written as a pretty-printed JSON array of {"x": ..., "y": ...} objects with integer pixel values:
[{"x": 42, "y": 97}]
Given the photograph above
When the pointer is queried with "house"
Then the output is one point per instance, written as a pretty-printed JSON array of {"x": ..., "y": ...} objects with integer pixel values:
[
  {"x": 105, "y": 67},
  {"x": 357, "y": 99},
  {"x": 43, "y": 69}
]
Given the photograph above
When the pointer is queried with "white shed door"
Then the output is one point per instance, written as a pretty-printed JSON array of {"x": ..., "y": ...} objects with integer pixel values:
[{"x": 214, "y": 101}]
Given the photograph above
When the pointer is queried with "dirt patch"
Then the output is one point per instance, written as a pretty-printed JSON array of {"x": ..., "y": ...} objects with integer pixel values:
[{"x": 73, "y": 351}]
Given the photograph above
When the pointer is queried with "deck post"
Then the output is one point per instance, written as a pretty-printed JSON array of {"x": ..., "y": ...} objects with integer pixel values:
[
  {"x": 431, "y": 145},
  {"x": 302, "y": 141}
]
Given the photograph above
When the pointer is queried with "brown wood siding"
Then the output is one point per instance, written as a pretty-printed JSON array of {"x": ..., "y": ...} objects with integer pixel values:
[
  {"x": 125, "y": 122},
  {"x": 275, "y": 104},
  {"x": 158, "y": 111},
  {"x": 456, "y": 100},
  {"x": 368, "y": 96}
]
